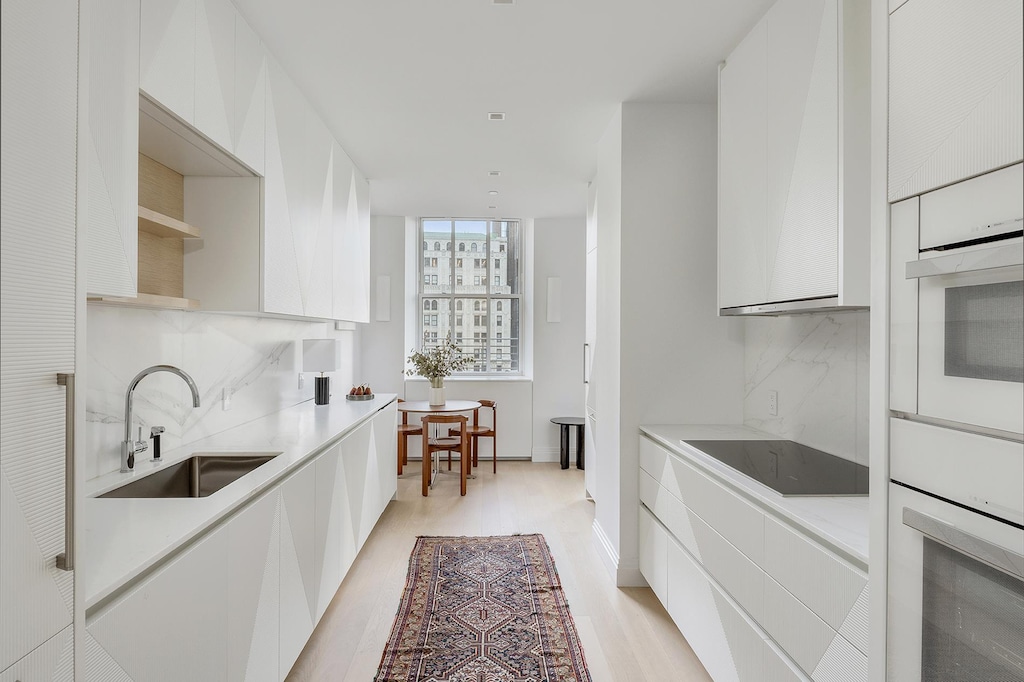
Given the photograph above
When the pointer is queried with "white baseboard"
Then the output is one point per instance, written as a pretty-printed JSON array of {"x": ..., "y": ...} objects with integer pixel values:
[
  {"x": 623, "y": 575},
  {"x": 547, "y": 455}
]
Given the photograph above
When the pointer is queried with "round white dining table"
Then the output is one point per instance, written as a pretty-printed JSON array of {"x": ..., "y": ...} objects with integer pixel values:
[
  {"x": 447, "y": 406},
  {"x": 426, "y": 407}
]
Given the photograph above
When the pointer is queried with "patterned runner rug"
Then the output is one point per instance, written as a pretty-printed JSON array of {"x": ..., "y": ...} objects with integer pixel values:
[{"x": 483, "y": 609}]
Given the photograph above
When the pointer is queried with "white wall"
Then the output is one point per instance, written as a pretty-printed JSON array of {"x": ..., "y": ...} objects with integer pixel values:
[
  {"x": 663, "y": 355},
  {"x": 382, "y": 343},
  {"x": 559, "y": 245},
  {"x": 256, "y": 359},
  {"x": 819, "y": 365}
]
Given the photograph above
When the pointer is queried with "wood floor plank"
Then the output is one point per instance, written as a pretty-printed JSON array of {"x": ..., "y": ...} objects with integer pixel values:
[{"x": 626, "y": 634}]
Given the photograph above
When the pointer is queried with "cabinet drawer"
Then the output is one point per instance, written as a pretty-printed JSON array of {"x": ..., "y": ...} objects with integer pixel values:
[
  {"x": 817, "y": 648},
  {"x": 738, "y": 522},
  {"x": 831, "y": 588},
  {"x": 740, "y": 577}
]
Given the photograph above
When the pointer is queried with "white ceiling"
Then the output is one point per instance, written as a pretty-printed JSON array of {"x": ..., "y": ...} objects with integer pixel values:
[{"x": 406, "y": 86}]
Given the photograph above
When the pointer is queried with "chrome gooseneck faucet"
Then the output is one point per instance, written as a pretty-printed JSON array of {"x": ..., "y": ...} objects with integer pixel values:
[{"x": 129, "y": 448}]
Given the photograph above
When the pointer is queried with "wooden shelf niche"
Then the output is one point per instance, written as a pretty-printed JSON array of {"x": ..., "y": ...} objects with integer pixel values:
[{"x": 162, "y": 231}]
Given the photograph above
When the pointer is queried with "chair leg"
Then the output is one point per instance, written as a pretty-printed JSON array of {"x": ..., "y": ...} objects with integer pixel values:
[
  {"x": 476, "y": 450},
  {"x": 449, "y": 460},
  {"x": 463, "y": 465},
  {"x": 426, "y": 467},
  {"x": 494, "y": 453},
  {"x": 401, "y": 453}
]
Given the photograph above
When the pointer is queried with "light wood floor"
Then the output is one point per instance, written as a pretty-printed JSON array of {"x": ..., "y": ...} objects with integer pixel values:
[{"x": 626, "y": 633}]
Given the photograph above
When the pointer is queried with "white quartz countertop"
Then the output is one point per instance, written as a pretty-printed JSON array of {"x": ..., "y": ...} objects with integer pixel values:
[
  {"x": 121, "y": 538},
  {"x": 841, "y": 523}
]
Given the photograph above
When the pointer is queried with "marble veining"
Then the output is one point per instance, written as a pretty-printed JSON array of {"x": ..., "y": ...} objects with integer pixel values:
[
  {"x": 256, "y": 360},
  {"x": 818, "y": 363}
]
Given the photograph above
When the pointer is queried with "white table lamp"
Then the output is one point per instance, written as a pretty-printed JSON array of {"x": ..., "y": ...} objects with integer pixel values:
[{"x": 321, "y": 355}]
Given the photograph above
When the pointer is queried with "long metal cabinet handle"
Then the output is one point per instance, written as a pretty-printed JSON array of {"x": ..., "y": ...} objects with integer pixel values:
[
  {"x": 1002, "y": 256},
  {"x": 586, "y": 347},
  {"x": 984, "y": 551},
  {"x": 66, "y": 560}
]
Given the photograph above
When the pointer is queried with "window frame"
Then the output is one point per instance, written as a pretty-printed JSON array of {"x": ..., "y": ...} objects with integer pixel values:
[{"x": 456, "y": 298}]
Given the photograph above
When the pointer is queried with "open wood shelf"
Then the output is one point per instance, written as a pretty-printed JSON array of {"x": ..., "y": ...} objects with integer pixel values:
[
  {"x": 149, "y": 301},
  {"x": 164, "y": 226}
]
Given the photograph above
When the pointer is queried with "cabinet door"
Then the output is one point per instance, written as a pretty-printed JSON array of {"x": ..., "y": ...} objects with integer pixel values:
[
  {"x": 54, "y": 660},
  {"x": 283, "y": 212},
  {"x": 315, "y": 238},
  {"x": 335, "y": 535},
  {"x": 351, "y": 241},
  {"x": 298, "y": 556},
  {"x": 742, "y": 187},
  {"x": 215, "y": 71},
  {"x": 955, "y": 93},
  {"x": 249, "y": 122},
  {"x": 167, "y": 54},
  {"x": 109, "y": 130},
  {"x": 38, "y": 126},
  {"x": 383, "y": 448},
  {"x": 173, "y": 626},
  {"x": 253, "y": 591},
  {"x": 802, "y": 172}
]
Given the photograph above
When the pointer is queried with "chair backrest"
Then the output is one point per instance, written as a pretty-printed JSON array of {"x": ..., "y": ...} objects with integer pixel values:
[
  {"x": 459, "y": 419},
  {"x": 493, "y": 407}
]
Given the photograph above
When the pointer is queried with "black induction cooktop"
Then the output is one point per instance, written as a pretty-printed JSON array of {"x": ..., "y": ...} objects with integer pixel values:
[{"x": 789, "y": 468}]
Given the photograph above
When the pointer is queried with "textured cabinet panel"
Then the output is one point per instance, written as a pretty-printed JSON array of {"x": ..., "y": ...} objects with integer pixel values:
[
  {"x": 740, "y": 523},
  {"x": 653, "y": 553},
  {"x": 249, "y": 117},
  {"x": 841, "y": 663},
  {"x": 903, "y": 248},
  {"x": 109, "y": 130},
  {"x": 821, "y": 581},
  {"x": 298, "y": 556},
  {"x": 742, "y": 189},
  {"x": 167, "y": 54},
  {"x": 955, "y": 92},
  {"x": 798, "y": 631},
  {"x": 286, "y": 200},
  {"x": 53, "y": 661},
  {"x": 38, "y": 128},
  {"x": 335, "y": 536},
  {"x": 352, "y": 241},
  {"x": 215, "y": 71},
  {"x": 253, "y": 598},
  {"x": 803, "y": 149},
  {"x": 316, "y": 240},
  {"x": 173, "y": 625}
]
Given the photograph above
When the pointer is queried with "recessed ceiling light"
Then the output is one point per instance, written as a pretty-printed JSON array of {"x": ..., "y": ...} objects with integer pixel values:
[
  {"x": 496, "y": 116},
  {"x": 494, "y": 174},
  {"x": 503, "y": 2},
  {"x": 492, "y": 207},
  {"x": 493, "y": 192}
]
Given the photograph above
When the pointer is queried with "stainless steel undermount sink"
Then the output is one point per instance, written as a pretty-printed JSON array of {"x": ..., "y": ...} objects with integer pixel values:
[{"x": 201, "y": 475}]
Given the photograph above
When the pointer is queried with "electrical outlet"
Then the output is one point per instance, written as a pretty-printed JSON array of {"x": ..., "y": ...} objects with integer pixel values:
[
  {"x": 773, "y": 403},
  {"x": 225, "y": 399},
  {"x": 302, "y": 381}
]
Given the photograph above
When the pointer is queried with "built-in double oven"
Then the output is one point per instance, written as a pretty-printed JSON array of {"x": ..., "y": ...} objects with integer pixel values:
[{"x": 956, "y": 437}]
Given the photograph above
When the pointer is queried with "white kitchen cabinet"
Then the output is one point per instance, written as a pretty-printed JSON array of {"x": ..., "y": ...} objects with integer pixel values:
[
  {"x": 253, "y": 591},
  {"x": 756, "y": 598},
  {"x": 215, "y": 71},
  {"x": 109, "y": 131},
  {"x": 38, "y": 194},
  {"x": 793, "y": 160},
  {"x": 174, "y": 624},
  {"x": 167, "y": 54},
  {"x": 298, "y": 564},
  {"x": 336, "y": 538},
  {"x": 351, "y": 240},
  {"x": 903, "y": 248},
  {"x": 955, "y": 92},
  {"x": 248, "y": 130}
]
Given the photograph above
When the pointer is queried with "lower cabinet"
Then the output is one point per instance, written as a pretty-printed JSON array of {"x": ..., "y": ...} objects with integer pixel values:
[
  {"x": 241, "y": 601},
  {"x": 757, "y": 600}
]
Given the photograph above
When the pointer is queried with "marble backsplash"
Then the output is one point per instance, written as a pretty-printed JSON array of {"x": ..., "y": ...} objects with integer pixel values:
[
  {"x": 255, "y": 360},
  {"x": 818, "y": 363}
]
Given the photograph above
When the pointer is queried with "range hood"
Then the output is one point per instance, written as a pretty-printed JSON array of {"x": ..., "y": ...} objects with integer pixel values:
[{"x": 828, "y": 304}]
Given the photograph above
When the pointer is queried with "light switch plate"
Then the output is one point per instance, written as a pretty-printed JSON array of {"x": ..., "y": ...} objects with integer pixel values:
[{"x": 773, "y": 403}]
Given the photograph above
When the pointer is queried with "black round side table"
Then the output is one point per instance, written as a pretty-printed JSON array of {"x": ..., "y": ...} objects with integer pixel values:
[{"x": 565, "y": 423}]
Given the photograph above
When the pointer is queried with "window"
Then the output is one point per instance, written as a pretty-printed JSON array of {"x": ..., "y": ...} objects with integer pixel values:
[
  {"x": 433, "y": 304},
  {"x": 426, "y": 262},
  {"x": 426, "y": 304},
  {"x": 493, "y": 285}
]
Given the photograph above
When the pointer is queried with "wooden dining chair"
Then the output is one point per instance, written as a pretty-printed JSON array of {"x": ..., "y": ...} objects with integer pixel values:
[
  {"x": 405, "y": 429},
  {"x": 476, "y": 431},
  {"x": 457, "y": 442}
]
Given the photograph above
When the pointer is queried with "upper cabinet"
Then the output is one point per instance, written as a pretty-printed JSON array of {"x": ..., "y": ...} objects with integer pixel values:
[
  {"x": 202, "y": 62},
  {"x": 793, "y": 161},
  {"x": 109, "y": 131},
  {"x": 955, "y": 92}
]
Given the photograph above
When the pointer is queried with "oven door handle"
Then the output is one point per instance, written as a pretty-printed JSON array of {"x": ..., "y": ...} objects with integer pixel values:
[
  {"x": 1002, "y": 256},
  {"x": 986, "y": 552}
]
